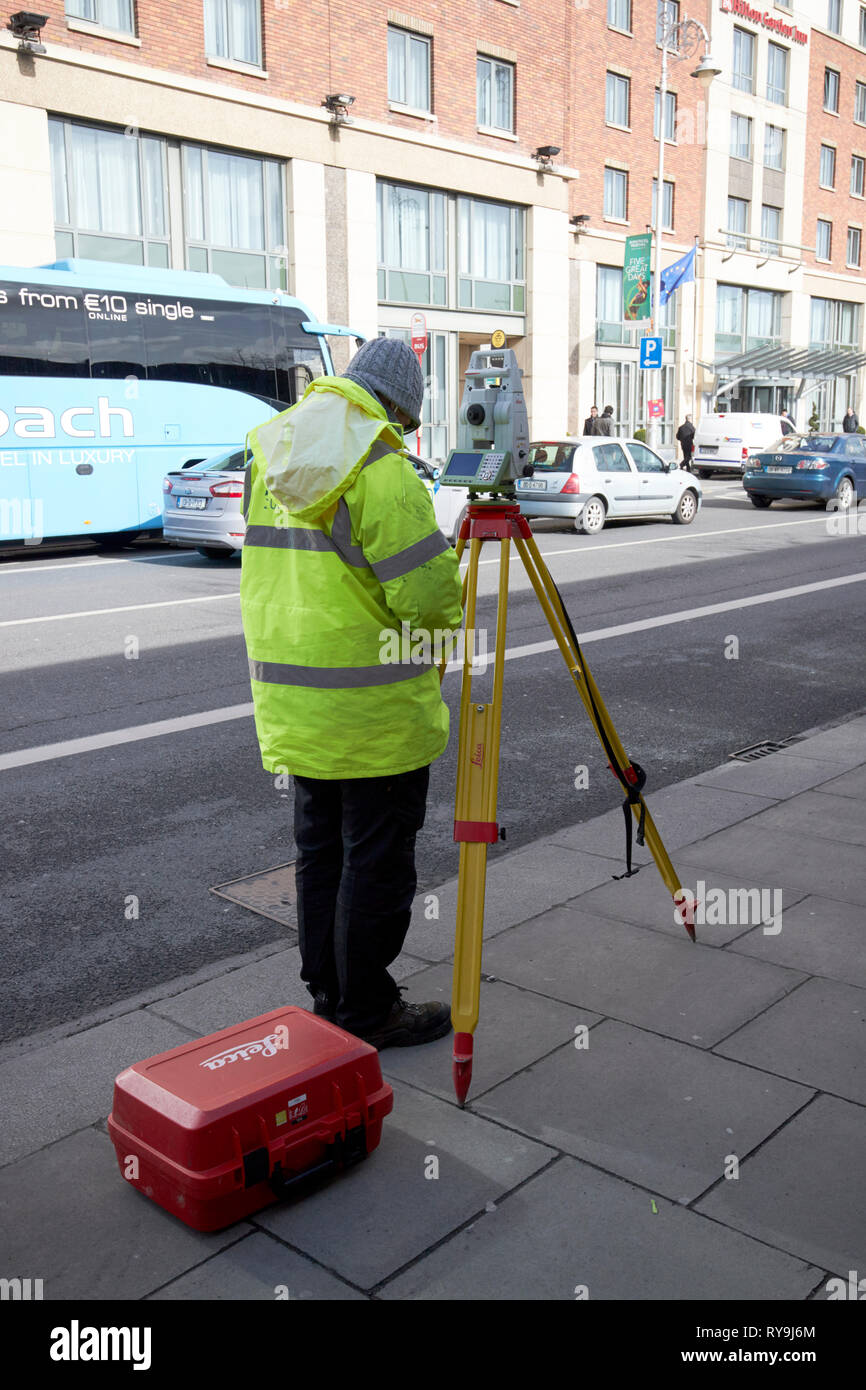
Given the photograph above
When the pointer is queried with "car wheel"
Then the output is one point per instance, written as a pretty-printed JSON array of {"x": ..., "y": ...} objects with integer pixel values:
[
  {"x": 704, "y": 473},
  {"x": 687, "y": 509},
  {"x": 592, "y": 517},
  {"x": 214, "y": 552},
  {"x": 843, "y": 498},
  {"x": 758, "y": 501}
]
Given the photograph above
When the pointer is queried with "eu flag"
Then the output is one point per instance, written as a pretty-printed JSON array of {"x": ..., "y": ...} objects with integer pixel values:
[{"x": 680, "y": 273}]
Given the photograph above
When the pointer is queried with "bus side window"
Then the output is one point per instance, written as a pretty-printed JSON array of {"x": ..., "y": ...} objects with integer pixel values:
[
  {"x": 44, "y": 336},
  {"x": 116, "y": 348},
  {"x": 224, "y": 344}
]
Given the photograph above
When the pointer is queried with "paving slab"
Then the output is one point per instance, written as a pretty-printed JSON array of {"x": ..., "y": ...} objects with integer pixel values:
[
  {"x": 516, "y": 1027},
  {"x": 795, "y": 861},
  {"x": 575, "y": 1232},
  {"x": 60, "y": 1088},
  {"x": 846, "y": 743},
  {"x": 518, "y": 886},
  {"x": 821, "y": 813},
  {"x": 258, "y": 1267},
  {"x": 803, "y": 1191},
  {"x": 775, "y": 776},
  {"x": 658, "y": 1112},
  {"x": 251, "y": 990},
  {"x": 644, "y": 901},
  {"x": 817, "y": 1036},
  {"x": 673, "y": 987},
  {"x": 374, "y": 1218},
  {"x": 819, "y": 936},
  {"x": 69, "y": 1218},
  {"x": 852, "y": 784},
  {"x": 681, "y": 813}
]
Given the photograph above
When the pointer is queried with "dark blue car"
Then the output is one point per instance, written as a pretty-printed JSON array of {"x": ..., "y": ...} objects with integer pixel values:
[{"x": 828, "y": 468}]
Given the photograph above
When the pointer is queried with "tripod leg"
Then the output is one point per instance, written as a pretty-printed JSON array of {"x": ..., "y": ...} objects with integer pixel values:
[
  {"x": 475, "y": 821},
  {"x": 542, "y": 583}
]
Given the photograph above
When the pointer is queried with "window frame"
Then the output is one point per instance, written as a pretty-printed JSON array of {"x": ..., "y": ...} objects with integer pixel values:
[
  {"x": 436, "y": 248},
  {"x": 618, "y": 174},
  {"x": 834, "y": 8},
  {"x": 736, "y": 117},
  {"x": 511, "y": 68},
  {"x": 858, "y": 233},
  {"x": 408, "y": 36},
  {"x": 229, "y": 57},
  {"x": 668, "y": 198},
  {"x": 772, "y": 245},
  {"x": 824, "y": 222},
  {"x": 737, "y": 238},
  {"x": 671, "y": 107},
  {"x": 828, "y": 150},
  {"x": 743, "y": 38},
  {"x": 97, "y": 20},
  {"x": 771, "y": 90},
  {"x": 617, "y": 77},
  {"x": 862, "y": 35},
  {"x": 782, "y": 131},
  {"x": 663, "y": 8},
  {"x": 858, "y": 162},
  {"x": 611, "y": 19},
  {"x": 828, "y": 73}
]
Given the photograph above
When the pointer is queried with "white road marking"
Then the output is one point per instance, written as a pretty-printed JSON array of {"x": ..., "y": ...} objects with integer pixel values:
[
  {"x": 46, "y": 568},
  {"x": 47, "y": 752},
  {"x": 127, "y": 608}
]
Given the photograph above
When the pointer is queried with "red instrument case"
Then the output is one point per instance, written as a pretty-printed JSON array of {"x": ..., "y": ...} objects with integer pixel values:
[{"x": 222, "y": 1126}]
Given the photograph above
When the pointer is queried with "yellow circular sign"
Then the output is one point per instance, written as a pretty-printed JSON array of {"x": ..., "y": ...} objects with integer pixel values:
[{"x": 498, "y": 339}]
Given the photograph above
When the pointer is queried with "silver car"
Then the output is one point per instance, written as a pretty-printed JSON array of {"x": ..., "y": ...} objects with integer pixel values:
[
  {"x": 588, "y": 479},
  {"x": 201, "y": 505}
]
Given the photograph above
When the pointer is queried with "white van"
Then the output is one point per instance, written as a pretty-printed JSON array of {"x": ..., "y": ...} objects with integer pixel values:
[{"x": 723, "y": 442}]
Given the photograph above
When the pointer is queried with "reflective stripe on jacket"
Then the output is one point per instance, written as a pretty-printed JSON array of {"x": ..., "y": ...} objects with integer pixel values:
[{"x": 341, "y": 550}]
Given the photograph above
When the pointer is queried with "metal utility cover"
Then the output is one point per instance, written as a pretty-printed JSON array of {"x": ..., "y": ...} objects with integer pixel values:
[
  {"x": 761, "y": 750},
  {"x": 271, "y": 893}
]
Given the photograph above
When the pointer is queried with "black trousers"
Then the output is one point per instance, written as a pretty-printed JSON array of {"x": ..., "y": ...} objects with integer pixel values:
[{"x": 356, "y": 879}]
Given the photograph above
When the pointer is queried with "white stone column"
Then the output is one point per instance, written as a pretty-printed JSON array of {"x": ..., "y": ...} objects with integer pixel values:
[
  {"x": 26, "y": 206},
  {"x": 308, "y": 275},
  {"x": 547, "y": 322},
  {"x": 361, "y": 252}
]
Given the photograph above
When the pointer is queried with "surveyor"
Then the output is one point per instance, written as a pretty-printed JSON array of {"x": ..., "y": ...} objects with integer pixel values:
[{"x": 342, "y": 550}]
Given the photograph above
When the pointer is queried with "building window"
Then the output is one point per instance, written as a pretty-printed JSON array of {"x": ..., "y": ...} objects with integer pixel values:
[
  {"x": 862, "y": 27},
  {"x": 495, "y": 94},
  {"x": 608, "y": 306},
  {"x": 831, "y": 90},
  {"x": 834, "y": 323},
  {"x": 619, "y": 14},
  {"x": 741, "y": 137},
  {"x": 616, "y": 194},
  {"x": 667, "y": 209},
  {"x": 616, "y": 106},
  {"x": 670, "y": 116},
  {"x": 234, "y": 215},
  {"x": 743, "y": 73},
  {"x": 823, "y": 240},
  {"x": 412, "y": 245},
  {"x": 110, "y": 194},
  {"x": 746, "y": 319},
  {"x": 771, "y": 230},
  {"x": 108, "y": 14},
  {"x": 852, "y": 252},
  {"x": 860, "y": 103},
  {"x": 490, "y": 241},
  {"x": 774, "y": 147},
  {"x": 827, "y": 167},
  {"x": 834, "y": 16},
  {"x": 777, "y": 74},
  {"x": 738, "y": 222},
  {"x": 667, "y": 14},
  {"x": 408, "y": 69},
  {"x": 858, "y": 166},
  {"x": 232, "y": 30}
]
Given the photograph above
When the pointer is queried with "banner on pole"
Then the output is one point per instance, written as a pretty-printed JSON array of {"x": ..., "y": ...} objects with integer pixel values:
[
  {"x": 656, "y": 409},
  {"x": 636, "y": 298}
]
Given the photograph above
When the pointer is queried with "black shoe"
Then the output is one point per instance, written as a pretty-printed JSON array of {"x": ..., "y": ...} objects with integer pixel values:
[
  {"x": 323, "y": 1008},
  {"x": 407, "y": 1025}
]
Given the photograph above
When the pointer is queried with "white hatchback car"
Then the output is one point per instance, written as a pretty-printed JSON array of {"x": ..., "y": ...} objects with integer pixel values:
[{"x": 589, "y": 479}]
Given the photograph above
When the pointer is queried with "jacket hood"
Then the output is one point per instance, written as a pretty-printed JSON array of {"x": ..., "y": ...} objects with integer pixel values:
[{"x": 313, "y": 452}]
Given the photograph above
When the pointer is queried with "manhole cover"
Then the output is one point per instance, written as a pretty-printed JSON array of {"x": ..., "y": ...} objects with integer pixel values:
[
  {"x": 761, "y": 750},
  {"x": 271, "y": 893}
]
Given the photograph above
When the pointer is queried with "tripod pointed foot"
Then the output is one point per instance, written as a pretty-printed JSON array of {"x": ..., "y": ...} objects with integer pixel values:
[
  {"x": 686, "y": 907},
  {"x": 461, "y": 1069}
]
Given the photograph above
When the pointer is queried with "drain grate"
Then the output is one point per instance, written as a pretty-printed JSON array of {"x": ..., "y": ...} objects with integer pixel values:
[
  {"x": 271, "y": 893},
  {"x": 761, "y": 750}
]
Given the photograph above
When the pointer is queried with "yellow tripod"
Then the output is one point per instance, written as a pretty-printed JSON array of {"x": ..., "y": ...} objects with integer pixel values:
[{"x": 475, "y": 825}]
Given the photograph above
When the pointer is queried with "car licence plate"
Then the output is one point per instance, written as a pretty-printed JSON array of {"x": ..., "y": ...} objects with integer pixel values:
[
  {"x": 773, "y": 468},
  {"x": 197, "y": 504},
  {"x": 709, "y": 449},
  {"x": 532, "y": 484}
]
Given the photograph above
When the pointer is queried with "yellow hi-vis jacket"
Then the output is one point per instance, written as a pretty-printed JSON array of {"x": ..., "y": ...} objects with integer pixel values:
[{"x": 341, "y": 551}]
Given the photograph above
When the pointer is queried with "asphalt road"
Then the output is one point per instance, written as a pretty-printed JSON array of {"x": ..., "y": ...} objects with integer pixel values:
[{"x": 92, "y": 646}]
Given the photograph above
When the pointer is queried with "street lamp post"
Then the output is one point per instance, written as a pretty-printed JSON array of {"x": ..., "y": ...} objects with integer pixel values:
[{"x": 680, "y": 39}]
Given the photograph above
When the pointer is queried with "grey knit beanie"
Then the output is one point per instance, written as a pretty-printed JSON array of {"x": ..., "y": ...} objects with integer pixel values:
[{"x": 387, "y": 367}]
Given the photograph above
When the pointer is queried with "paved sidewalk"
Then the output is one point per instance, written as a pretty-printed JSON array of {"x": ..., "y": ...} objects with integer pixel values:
[{"x": 648, "y": 1118}]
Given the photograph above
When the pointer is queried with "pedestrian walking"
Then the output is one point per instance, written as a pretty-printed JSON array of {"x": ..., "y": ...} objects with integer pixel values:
[
  {"x": 605, "y": 424},
  {"x": 342, "y": 551},
  {"x": 850, "y": 424},
  {"x": 592, "y": 424},
  {"x": 686, "y": 439}
]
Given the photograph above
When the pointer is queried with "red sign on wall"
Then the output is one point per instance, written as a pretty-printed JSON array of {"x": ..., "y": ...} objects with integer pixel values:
[
  {"x": 418, "y": 334},
  {"x": 656, "y": 409}
]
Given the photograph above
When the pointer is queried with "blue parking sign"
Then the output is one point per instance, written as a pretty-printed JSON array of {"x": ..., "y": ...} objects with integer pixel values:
[{"x": 650, "y": 352}]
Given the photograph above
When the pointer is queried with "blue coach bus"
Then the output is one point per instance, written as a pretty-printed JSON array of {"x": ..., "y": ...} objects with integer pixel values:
[{"x": 112, "y": 376}]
